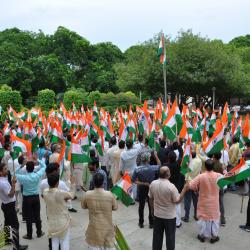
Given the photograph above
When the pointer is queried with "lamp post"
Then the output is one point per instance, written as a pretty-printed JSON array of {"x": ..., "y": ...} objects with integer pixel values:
[{"x": 213, "y": 89}]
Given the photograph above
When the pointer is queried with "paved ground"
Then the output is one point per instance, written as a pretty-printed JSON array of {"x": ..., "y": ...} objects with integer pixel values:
[{"x": 140, "y": 239}]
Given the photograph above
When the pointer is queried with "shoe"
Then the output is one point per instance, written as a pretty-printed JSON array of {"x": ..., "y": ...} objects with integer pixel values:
[
  {"x": 22, "y": 247},
  {"x": 72, "y": 210},
  {"x": 184, "y": 219},
  {"x": 26, "y": 237},
  {"x": 179, "y": 225},
  {"x": 140, "y": 225},
  {"x": 74, "y": 198},
  {"x": 245, "y": 228},
  {"x": 196, "y": 218},
  {"x": 40, "y": 235},
  {"x": 151, "y": 226},
  {"x": 213, "y": 240},
  {"x": 133, "y": 203},
  {"x": 201, "y": 238},
  {"x": 222, "y": 222}
]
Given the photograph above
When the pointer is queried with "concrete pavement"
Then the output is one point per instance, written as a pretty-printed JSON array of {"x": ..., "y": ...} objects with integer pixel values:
[{"x": 232, "y": 238}]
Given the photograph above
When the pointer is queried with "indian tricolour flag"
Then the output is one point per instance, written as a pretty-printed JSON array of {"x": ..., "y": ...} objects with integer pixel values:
[
  {"x": 169, "y": 125},
  {"x": 20, "y": 145},
  {"x": 1, "y": 150},
  {"x": 123, "y": 190},
  {"x": 57, "y": 133},
  {"x": 216, "y": 143},
  {"x": 187, "y": 157},
  {"x": 238, "y": 173},
  {"x": 76, "y": 154},
  {"x": 162, "y": 50},
  {"x": 187, "y": 129},
  {"x": 212, "y": 124},
  {"x": 246, "y": 129}
]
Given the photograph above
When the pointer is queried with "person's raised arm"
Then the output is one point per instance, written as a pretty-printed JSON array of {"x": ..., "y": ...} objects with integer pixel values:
[
  {"x": 41, "y": 171},
  {"x": 157, "y": 158}
]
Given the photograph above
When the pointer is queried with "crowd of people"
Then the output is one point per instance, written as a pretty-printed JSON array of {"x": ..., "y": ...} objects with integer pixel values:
[{"x": 156, "y": 171}]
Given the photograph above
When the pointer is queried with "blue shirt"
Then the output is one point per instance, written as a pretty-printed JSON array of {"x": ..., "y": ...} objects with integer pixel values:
[
  {"x": 145, "y": 173},
  {"x": 105, "y": 182},
  {"x": 30, "y": 181},
  {"x": 41, "y": 153}
]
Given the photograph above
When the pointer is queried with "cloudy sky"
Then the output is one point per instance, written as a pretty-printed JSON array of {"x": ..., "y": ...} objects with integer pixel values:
[{"x": 127, "y": 22}]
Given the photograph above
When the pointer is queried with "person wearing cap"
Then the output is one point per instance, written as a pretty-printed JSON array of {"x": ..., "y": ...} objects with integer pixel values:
[
  {"x": 246, "y": 227},
  {"x": 143, "y": 176}
]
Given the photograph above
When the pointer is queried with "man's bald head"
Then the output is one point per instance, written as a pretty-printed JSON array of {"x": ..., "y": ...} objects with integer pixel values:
[{"x": 164, "y": 172}]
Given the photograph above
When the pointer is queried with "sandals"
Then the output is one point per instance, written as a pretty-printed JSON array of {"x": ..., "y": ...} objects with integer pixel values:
[{"x": 213, "y": 240}]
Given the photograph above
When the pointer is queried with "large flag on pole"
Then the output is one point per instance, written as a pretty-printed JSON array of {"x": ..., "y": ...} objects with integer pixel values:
[{"x": 162, "y": 50}]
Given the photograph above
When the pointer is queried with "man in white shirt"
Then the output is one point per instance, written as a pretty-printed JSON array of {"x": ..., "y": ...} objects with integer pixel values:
[
  {"x": 195, "y": 166},
  {"x": 111, "y": 161},
  {"x": 50, "y": 169},
  {"x": 7, "y": 196},
  {"x": 224, "y": 158}
]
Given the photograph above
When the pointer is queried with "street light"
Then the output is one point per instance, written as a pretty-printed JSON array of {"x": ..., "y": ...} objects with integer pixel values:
[{"x": 213, "y": 89}]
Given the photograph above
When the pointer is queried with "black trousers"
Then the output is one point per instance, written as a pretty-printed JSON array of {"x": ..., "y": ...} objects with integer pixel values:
[
  {"x": 221, "y": 202},
  {"x": 248, "y": 212},
  {"x": 161, "y": 225},
  {"x": 32, "y": 213},
  {"x": 10, "y": 220},
  {"x": 142, "y": 192}
]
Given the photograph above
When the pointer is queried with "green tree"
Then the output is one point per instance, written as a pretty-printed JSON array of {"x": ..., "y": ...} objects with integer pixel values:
[
  {"x": 92, "y": 97},
  {"x": 49, "y": 72},
  {"x": 9, "y": 97},
  {"x": 241, "y": 41},
  {"x": 78, "y": 96},
  {"x": 46, "y": 99}
]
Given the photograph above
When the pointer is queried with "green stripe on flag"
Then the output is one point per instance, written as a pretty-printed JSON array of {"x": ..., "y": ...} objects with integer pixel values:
[{"x": 125, "y": 198}]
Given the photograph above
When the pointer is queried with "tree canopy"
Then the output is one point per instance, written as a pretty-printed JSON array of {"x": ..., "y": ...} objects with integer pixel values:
[{"x": 31, "y": 62}]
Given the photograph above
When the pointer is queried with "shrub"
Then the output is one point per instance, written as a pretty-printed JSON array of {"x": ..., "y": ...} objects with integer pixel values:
[
  {"x": 78, "y": 96},
  {"x": 112, "y": 101},
  {"x": 9, "y": 97},
  {"x": 45, "y": 99},
  {"x": 94, "y": 96}
]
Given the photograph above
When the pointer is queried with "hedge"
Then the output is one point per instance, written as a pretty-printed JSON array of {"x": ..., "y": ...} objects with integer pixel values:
[
  {"x": 46, "y": 99},
  {"x": 9, "y": 97}
]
